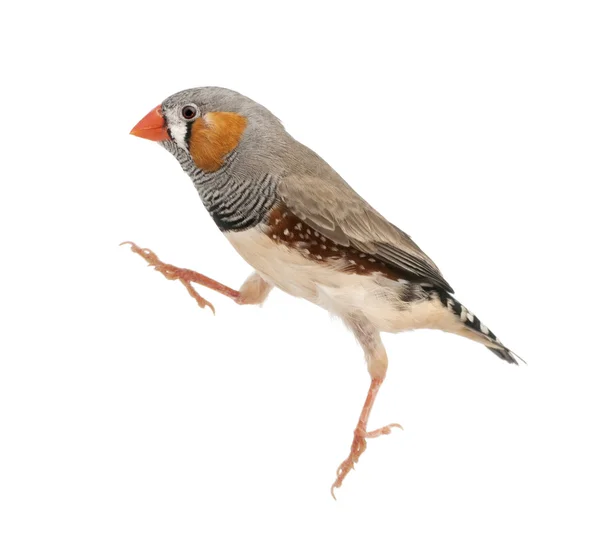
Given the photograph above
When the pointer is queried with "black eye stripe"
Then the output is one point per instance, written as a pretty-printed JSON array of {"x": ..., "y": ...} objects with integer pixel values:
[{"x": 188, "y": 133}]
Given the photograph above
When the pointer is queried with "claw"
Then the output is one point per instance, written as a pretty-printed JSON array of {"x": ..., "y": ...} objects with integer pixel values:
[
  {"x": 148, "y": 255},
  {"x": 170, "y": 272},
  {"x": 383, "y": 430},
  {"x": 202, "y": 302},
  {"x": 359, "y": 445}
]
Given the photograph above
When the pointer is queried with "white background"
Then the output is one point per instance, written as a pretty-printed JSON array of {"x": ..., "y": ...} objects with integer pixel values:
[{"x": 130, "y": 419}]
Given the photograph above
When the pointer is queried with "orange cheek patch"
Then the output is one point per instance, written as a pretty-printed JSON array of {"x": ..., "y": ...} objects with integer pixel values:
[{"x": 213, "y": 137}]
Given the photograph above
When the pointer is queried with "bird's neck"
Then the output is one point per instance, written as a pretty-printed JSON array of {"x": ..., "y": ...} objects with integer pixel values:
[{"x": 236, "y": 200}]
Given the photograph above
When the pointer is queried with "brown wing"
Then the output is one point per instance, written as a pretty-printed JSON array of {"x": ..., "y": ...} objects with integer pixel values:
[{"x": 331, "y": 207}]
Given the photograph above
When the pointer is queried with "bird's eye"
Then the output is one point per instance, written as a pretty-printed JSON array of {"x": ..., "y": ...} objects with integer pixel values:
[{"x": 188, "y": 112}]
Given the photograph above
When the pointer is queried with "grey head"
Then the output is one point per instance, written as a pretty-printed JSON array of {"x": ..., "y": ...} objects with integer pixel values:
[
  {"x": 234, "y": 150},
  {"x": 247, "y": 130}
]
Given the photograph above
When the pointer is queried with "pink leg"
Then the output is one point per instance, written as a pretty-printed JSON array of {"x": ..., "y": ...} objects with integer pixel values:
[
  {"x": 377, "y": 362},
  {"x": 359, "y": 443},
  {"x": 254, "y": 291}
]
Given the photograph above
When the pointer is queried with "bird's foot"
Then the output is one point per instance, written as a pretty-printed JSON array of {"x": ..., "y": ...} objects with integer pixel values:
[
  {"x": 185, "y": 276},
  {"x": 359, "y": 445}
]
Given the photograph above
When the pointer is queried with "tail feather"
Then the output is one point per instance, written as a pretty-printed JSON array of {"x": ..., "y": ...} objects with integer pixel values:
[
  {"x": 505, "y": 354},
  {"x": 473, "y": 324}
]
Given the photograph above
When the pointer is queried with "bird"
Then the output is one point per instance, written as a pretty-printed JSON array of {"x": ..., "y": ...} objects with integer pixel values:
[{"x": 305, "y": 231}]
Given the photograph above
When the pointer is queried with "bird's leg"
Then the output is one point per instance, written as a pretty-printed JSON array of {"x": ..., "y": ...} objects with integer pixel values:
[
  {"x": 377, "y": 362},
  {"x": 359, "y": 443},
  {"x": 254, "y": 290}
]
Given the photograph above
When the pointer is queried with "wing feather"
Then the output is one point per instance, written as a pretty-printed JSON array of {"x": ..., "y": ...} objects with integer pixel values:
[{"x": 330, "y": 206}]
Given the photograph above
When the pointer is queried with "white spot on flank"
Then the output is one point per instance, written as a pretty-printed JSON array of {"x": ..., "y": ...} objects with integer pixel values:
[
  {"x": 286, "y": 232},
  {"x": 484, "y": 329},
  {"x": 323, "y": 239},
  {"x": 285, "y": 214},
  {"x": 352, "y": 261},
  {"x": 470, "y": 317},
  {"x": 362, "y": 255},
  {"x": 334, "y": 249},
  {"x": 323, "y": 247},
  {"x": 317, "y": 234},
  {"x": 372, "y": 260},
  {"x": 298, "y": 226},
  {"x": 463, "y": 313},
  {"x": 341, "y": 292},
  {"x": 308, "y": 232},
  {"x": 277, "y": 220},
  {"x": 319, "y": 257}
]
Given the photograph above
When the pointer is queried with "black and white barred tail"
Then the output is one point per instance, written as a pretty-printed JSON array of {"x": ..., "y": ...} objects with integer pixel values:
[{"x": 473, "y": 323}]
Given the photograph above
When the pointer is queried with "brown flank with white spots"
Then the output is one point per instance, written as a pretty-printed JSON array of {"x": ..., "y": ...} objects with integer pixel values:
[{"x": 286, "y": 228}]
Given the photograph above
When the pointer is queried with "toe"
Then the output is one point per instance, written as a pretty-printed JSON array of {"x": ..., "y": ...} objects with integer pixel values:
[{"x": 383, "y": 430}]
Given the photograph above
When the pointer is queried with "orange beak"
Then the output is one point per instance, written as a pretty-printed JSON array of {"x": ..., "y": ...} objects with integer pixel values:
[{"x": 152, "y": 127}]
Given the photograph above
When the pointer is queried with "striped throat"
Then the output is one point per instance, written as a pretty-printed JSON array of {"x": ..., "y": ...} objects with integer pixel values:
[{"x": 235, "y": 202}]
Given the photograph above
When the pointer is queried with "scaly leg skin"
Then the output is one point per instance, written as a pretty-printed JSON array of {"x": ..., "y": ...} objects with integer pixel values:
[
  {"x": 377, "y": 363},
  {"x": 253, "y": 291},
  {"x": 359, "y": 443}
]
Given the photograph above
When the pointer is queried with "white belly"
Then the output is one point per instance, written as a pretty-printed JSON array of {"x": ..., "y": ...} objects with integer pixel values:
[{"x": 374, "y": 296}]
